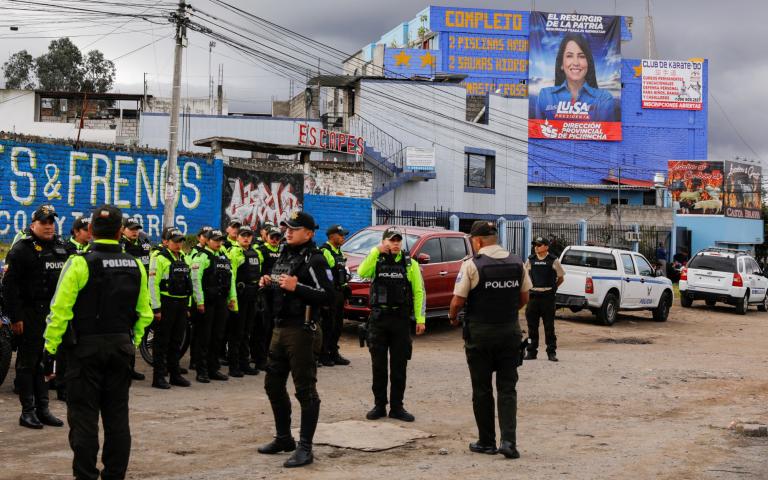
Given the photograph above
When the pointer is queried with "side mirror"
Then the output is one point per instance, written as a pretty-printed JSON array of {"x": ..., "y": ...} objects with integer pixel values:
[{"x": 423, "y": 258}]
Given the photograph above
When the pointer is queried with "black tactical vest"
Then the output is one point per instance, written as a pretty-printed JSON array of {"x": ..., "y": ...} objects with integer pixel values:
[
  {"x": 496, "y": 297},
  {"x": 107, "y": 303},
  {"x": 542, "y": 273},
  {"x": 390, "y": 286},
  {"x": 139, "y": 250},
  {"x": 339, "y": 270},
  {"x": 179, "y": 281},
  {"x": 217, "y": 277},
  {"x": 249, "y": 273},
  {"x": 51, "y": 257},
  {"x": 287, "y": 305},
  {"x": 270, "y": 258}
]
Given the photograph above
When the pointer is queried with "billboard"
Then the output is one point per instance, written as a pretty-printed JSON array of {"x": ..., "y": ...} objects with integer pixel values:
[
  {"x": 742, "y": 190},
  {"x": 696, "y": 186},
  {"x": 672, "y": 84},
  {"x": 254, "y": 197},
  {"x": 574, "y": 77},
  {"x": 407, "y": 62}
]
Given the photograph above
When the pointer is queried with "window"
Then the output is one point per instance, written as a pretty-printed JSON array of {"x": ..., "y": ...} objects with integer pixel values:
[
  {"x": 432, "y": 248},
  {"x": 552, "y": 200},
  {"x": 593, "y": 200},
  {"x": 615, "y": 201},
  {"x": 643, "y": 266},
  {"x": 712, "y": 262},
  {"x": 363, "y": 241},
  {"x": 752, "y": 266},
  {"x": 629, "y": 267},
  {"x": 584, "y": 258},
  {"x": 454, "y": 249},
  {"x": 479, "y": 171}
]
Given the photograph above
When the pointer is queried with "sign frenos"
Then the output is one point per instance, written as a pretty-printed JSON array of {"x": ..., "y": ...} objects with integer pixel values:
[{"x": 330, "y": 140}]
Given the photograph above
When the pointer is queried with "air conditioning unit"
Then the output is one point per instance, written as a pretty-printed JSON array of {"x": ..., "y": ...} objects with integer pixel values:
[{"x": 632, "y": 236}]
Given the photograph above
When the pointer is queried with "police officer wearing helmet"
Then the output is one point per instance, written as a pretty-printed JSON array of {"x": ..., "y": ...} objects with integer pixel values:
[
  {"x": 300, "y": 284},
  {"x": 214, "y": 291},
  {"x": 81, "y": 236},
  {"x": 138, "y": 246},
  {"x": 494, "y": 286},
  {"x": 33, "y": 267},
  {"x": 397, "y": 291},
  {"x": 546, "y": 274},
  {"x": 333, "y": 316},
  {"x": 99, "y": 312},
  {"x": 246, "y": 268},
  {"x": 170, "y": 286}
]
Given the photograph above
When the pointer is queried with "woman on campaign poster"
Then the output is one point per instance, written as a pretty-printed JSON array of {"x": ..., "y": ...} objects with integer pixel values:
[{"x": 575, "y": 77}]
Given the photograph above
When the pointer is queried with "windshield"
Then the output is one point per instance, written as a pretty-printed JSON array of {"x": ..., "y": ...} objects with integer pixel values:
[
  {"x": 362, "y": 242},
  {"x": 712, "y": 262},
  {"x": 585, "y": 258}
]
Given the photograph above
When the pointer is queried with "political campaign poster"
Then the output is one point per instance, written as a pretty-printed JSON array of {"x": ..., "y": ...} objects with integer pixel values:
[
  {"x": 742, "y": 190},
  {"x": 696, "y": 186},
  {"x": 575, "y": 77},
  {"x": 672, "y": 84},
  {"x": 254, "y": 197}
]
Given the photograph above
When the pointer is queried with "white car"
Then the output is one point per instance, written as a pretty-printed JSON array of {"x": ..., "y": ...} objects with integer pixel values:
[
  {"x": 606, "y": 280},
  {"x": 727, "y": 276}
]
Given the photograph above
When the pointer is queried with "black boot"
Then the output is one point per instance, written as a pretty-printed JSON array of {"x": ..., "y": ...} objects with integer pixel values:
[
  {"x": 338, "y": 359},
  {"x": 159, "y": 381},
  {"x": 283, "y": 441},
  {"x": 179, "y": 381},
  {"x": 303, "y": 454},
  {"x": 25, "y": 384},
  {"x": 41, "y": 403}
]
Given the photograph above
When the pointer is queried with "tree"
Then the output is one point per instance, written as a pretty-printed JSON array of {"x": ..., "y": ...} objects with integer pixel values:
[
  {"x": 98, "y": 73},
  {"x": 61, "y": 68},
  {"x": 19, "y": 71}
]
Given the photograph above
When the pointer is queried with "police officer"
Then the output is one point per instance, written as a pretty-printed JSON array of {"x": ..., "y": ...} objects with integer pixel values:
[
  {"x": 397, "y": 291},
  {"x": 232, "y": 231},
  {"x": 202, "y": 242},
  {"x": 100, "y": 311},
  {"x": 246, "y": 268},
  {"x": 270, "y": 251},
  {"x": 493, "y": 285},
  {"x": 170, "y": 286},
  {"x": 333, "y": 316},
  {"x": 139, "y": 247},
  {"x": 546, "y": 274},
  {"x": 33, "y": 267},
  {"x": 214, "y": 291},
  {"x": 81, "y": 236},
  {"x": 300, "y": 284}
]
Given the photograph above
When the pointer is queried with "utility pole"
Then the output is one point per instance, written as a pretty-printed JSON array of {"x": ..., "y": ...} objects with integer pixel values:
[
  {"x": 649, "y": 33},
  {"x": 211, "y": 46},
  {"x": 171, "y": 182}
]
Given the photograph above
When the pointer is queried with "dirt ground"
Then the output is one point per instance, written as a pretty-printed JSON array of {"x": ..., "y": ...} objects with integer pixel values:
[{"x": 657, "y": 408}]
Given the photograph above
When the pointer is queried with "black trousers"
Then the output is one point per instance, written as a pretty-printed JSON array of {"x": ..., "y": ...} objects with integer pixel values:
[
  {"x": 483, "y": 359},
  {"x": 241, "y": 329},
  {"x": 541, "y": 306},
  {"x": 209, "y": 334},
  {"x": 389, "y": 342},
  {"x": 98, "y": 380},
  {"x": 332, "y": 324},
  {"x": 266, "y": 325},
  {"x": 169, "y": 333},
  {"x": 33, "y": 389}
]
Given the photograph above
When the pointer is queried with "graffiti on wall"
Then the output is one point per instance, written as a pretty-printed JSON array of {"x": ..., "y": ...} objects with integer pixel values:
[{"x": 254, "y": 197}]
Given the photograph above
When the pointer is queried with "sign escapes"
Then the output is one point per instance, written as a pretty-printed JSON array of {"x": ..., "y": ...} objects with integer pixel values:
[{"x": 330, "y": 140}]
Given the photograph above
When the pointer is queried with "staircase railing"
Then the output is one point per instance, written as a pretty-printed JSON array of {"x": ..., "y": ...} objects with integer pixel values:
[{"x": 390, "y": 149}]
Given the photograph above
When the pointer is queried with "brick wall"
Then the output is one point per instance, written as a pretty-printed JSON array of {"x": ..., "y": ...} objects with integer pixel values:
[
  {"x": 37, "y": 171},
  {"x": 352, "y": 213}
]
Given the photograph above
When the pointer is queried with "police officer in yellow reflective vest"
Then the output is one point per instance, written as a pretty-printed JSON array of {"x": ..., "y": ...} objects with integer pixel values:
[
  {"x": 397, "y": 291},
  {"x": 100, "y": 310},
  {"x": 170, "y": 286},
  {"x": 494, "y": 286}
]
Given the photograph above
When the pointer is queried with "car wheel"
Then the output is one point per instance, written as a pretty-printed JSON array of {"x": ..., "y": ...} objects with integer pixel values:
[
  {"x": 610, "y": 309},
  {"x": 763, "y": 307},
  {"x": 685, "y": 301},
  {"x": 661, "y": 313},
  {"x": 742, "y": 306},
  {"x": 710, "y": 303}
]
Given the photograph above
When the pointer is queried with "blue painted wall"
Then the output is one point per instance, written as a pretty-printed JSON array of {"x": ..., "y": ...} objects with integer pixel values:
[
  {"x": 352, "y": 213},
  {"x": 76, "y": 181},
  {"x": 713, "y": 231},
  {"x": 579, "y": 196}
]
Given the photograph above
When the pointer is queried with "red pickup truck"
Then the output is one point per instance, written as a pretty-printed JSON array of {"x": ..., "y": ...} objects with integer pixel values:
[{"x": 439, "y": 252}]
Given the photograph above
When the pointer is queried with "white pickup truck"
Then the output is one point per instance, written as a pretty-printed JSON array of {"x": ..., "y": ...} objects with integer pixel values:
[{"x": 606, "y": 280}]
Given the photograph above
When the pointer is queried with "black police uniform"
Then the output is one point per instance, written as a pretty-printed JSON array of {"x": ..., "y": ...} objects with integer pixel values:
[
  {"x": 242, "y": 328},
  {"x": 542, "y": 303},
  {"x": 34, "y": 266},
  {"x": 294, "y": 341},
  {"x": 492, "y": 344},
  {"x": 140, "y": 249},
  {"x": 333, "y": 316},
  {"x": 266, "y": 324}
]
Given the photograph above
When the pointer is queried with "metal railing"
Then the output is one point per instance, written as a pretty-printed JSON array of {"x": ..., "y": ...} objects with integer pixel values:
[
  {"x": 390, "y": 148},
  {"x": 436, "y": 218}
]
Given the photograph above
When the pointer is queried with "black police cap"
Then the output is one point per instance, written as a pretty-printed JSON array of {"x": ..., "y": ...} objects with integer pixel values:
[
  {"x": 300, "y": 219},
  {"x": 131, "y": 223},
  {"x": 81, "y": 223},
  {"x": 337, "y": 229},
  {"x": 215, "y": 235},
  {"x": 540, "y": 241},
  {"x": 106, "y": 218},
  {"x": 392, "y": 232},
  {"x": 44, "y": 213}
]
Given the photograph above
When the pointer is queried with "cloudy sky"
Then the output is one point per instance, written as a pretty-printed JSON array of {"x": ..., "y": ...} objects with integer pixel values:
[{"x": 731, "y": 35}]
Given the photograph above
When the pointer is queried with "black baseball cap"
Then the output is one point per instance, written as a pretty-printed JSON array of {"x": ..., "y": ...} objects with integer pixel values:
[
  {"x": 236, "y": 223},
  {"x": 483, "y": 228},
  {"x": 166, "y": 232},
  {"x": 337, "y": 229},
  {"x": 540, "y": 241},
  {"x": 215, "y": 235},
  {"x": 44, "y": 212},
  {"x": 273, "y": 230},
  {"x": 392, "y": 232},
  {"x": 268, "y": 226},
  {"x": 300, "y": 219},
  {"x": 245, "y": 230},
  {"x": 131, "y": 223},
  {"x": 175, "y": 235},
  {"x": 204, "y": 230},
  {"x": 106, "y": 220},
  {"x": 81, "y": 223}
]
